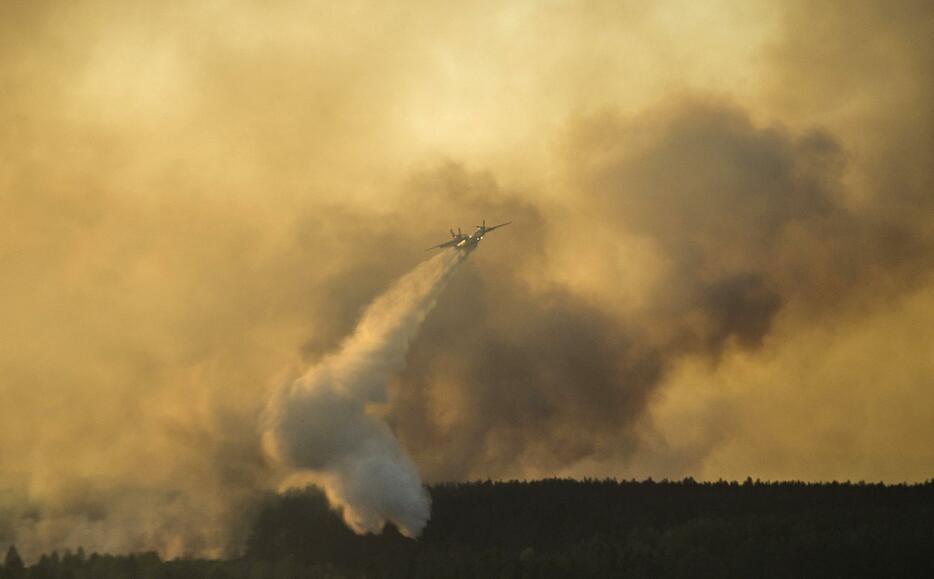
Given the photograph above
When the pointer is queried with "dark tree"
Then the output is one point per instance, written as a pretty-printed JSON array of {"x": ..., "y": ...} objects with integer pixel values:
[
  {"x": 13, "y": 564},
  {"x": 564, "y": 528}
]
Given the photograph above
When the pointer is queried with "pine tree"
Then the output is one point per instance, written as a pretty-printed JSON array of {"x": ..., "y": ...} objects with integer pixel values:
[{"x": 13, "y": 563}]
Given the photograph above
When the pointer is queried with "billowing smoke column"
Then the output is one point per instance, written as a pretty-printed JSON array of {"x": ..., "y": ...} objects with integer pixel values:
[{"x": 324, "y": 427}]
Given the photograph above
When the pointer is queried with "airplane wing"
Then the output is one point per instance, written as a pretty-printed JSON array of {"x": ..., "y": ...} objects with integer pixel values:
[
  {"x": 498, "y": 226},
  {"x": 448, "y": 243}
]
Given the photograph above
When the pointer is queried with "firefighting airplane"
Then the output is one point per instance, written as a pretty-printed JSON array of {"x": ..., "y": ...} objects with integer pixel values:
[{"x": 464, "y": 241}]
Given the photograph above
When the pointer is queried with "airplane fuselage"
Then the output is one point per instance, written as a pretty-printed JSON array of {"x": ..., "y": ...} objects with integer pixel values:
[
  {"x": 472, "y": 240},
  {"x": 467, "y": 242}
]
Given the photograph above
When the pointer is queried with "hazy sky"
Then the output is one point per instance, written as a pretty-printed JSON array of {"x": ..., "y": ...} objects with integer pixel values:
[{"x": 721, "y": 261}]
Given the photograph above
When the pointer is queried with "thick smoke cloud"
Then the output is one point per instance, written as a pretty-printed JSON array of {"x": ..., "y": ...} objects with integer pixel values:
[
  {"x": 741, "y": 222},
  {"x": 719, "y": 264}
]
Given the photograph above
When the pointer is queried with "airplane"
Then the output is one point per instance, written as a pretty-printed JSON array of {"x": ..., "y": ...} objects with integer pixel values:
[{"x": 464, "y": 241}]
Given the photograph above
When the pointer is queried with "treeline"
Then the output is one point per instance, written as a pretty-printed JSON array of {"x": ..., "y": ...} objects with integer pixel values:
[{"x": 565, "y": 528}]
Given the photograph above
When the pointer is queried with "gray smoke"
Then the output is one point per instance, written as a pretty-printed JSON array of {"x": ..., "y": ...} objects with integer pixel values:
[{"x": 327, "y": 427}]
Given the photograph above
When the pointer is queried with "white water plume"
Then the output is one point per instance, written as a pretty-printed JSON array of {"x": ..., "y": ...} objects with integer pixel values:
[{"x": 323, "y": 428}]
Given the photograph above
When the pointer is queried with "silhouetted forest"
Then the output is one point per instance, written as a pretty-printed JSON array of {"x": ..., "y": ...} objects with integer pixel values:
[{"x": 565, "y": 528}]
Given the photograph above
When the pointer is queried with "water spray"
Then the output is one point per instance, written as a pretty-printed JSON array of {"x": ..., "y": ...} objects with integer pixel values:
[{"x": 323, "y": 429}]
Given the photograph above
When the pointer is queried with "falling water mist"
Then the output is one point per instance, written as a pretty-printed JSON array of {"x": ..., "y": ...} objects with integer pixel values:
[{"x": 325, "y": 427}]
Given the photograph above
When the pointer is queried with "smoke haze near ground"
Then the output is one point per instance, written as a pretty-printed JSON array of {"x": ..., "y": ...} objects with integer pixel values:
[{"x": 720, "y": 262}]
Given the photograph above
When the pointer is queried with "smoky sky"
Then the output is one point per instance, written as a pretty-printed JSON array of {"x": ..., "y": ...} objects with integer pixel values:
[{"x": 719, "y": 262}]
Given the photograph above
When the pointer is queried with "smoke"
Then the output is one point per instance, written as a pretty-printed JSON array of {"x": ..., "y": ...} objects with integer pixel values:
[
  {"x": 326, "y": 425},
  {"x": 724, "y": 265}
]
